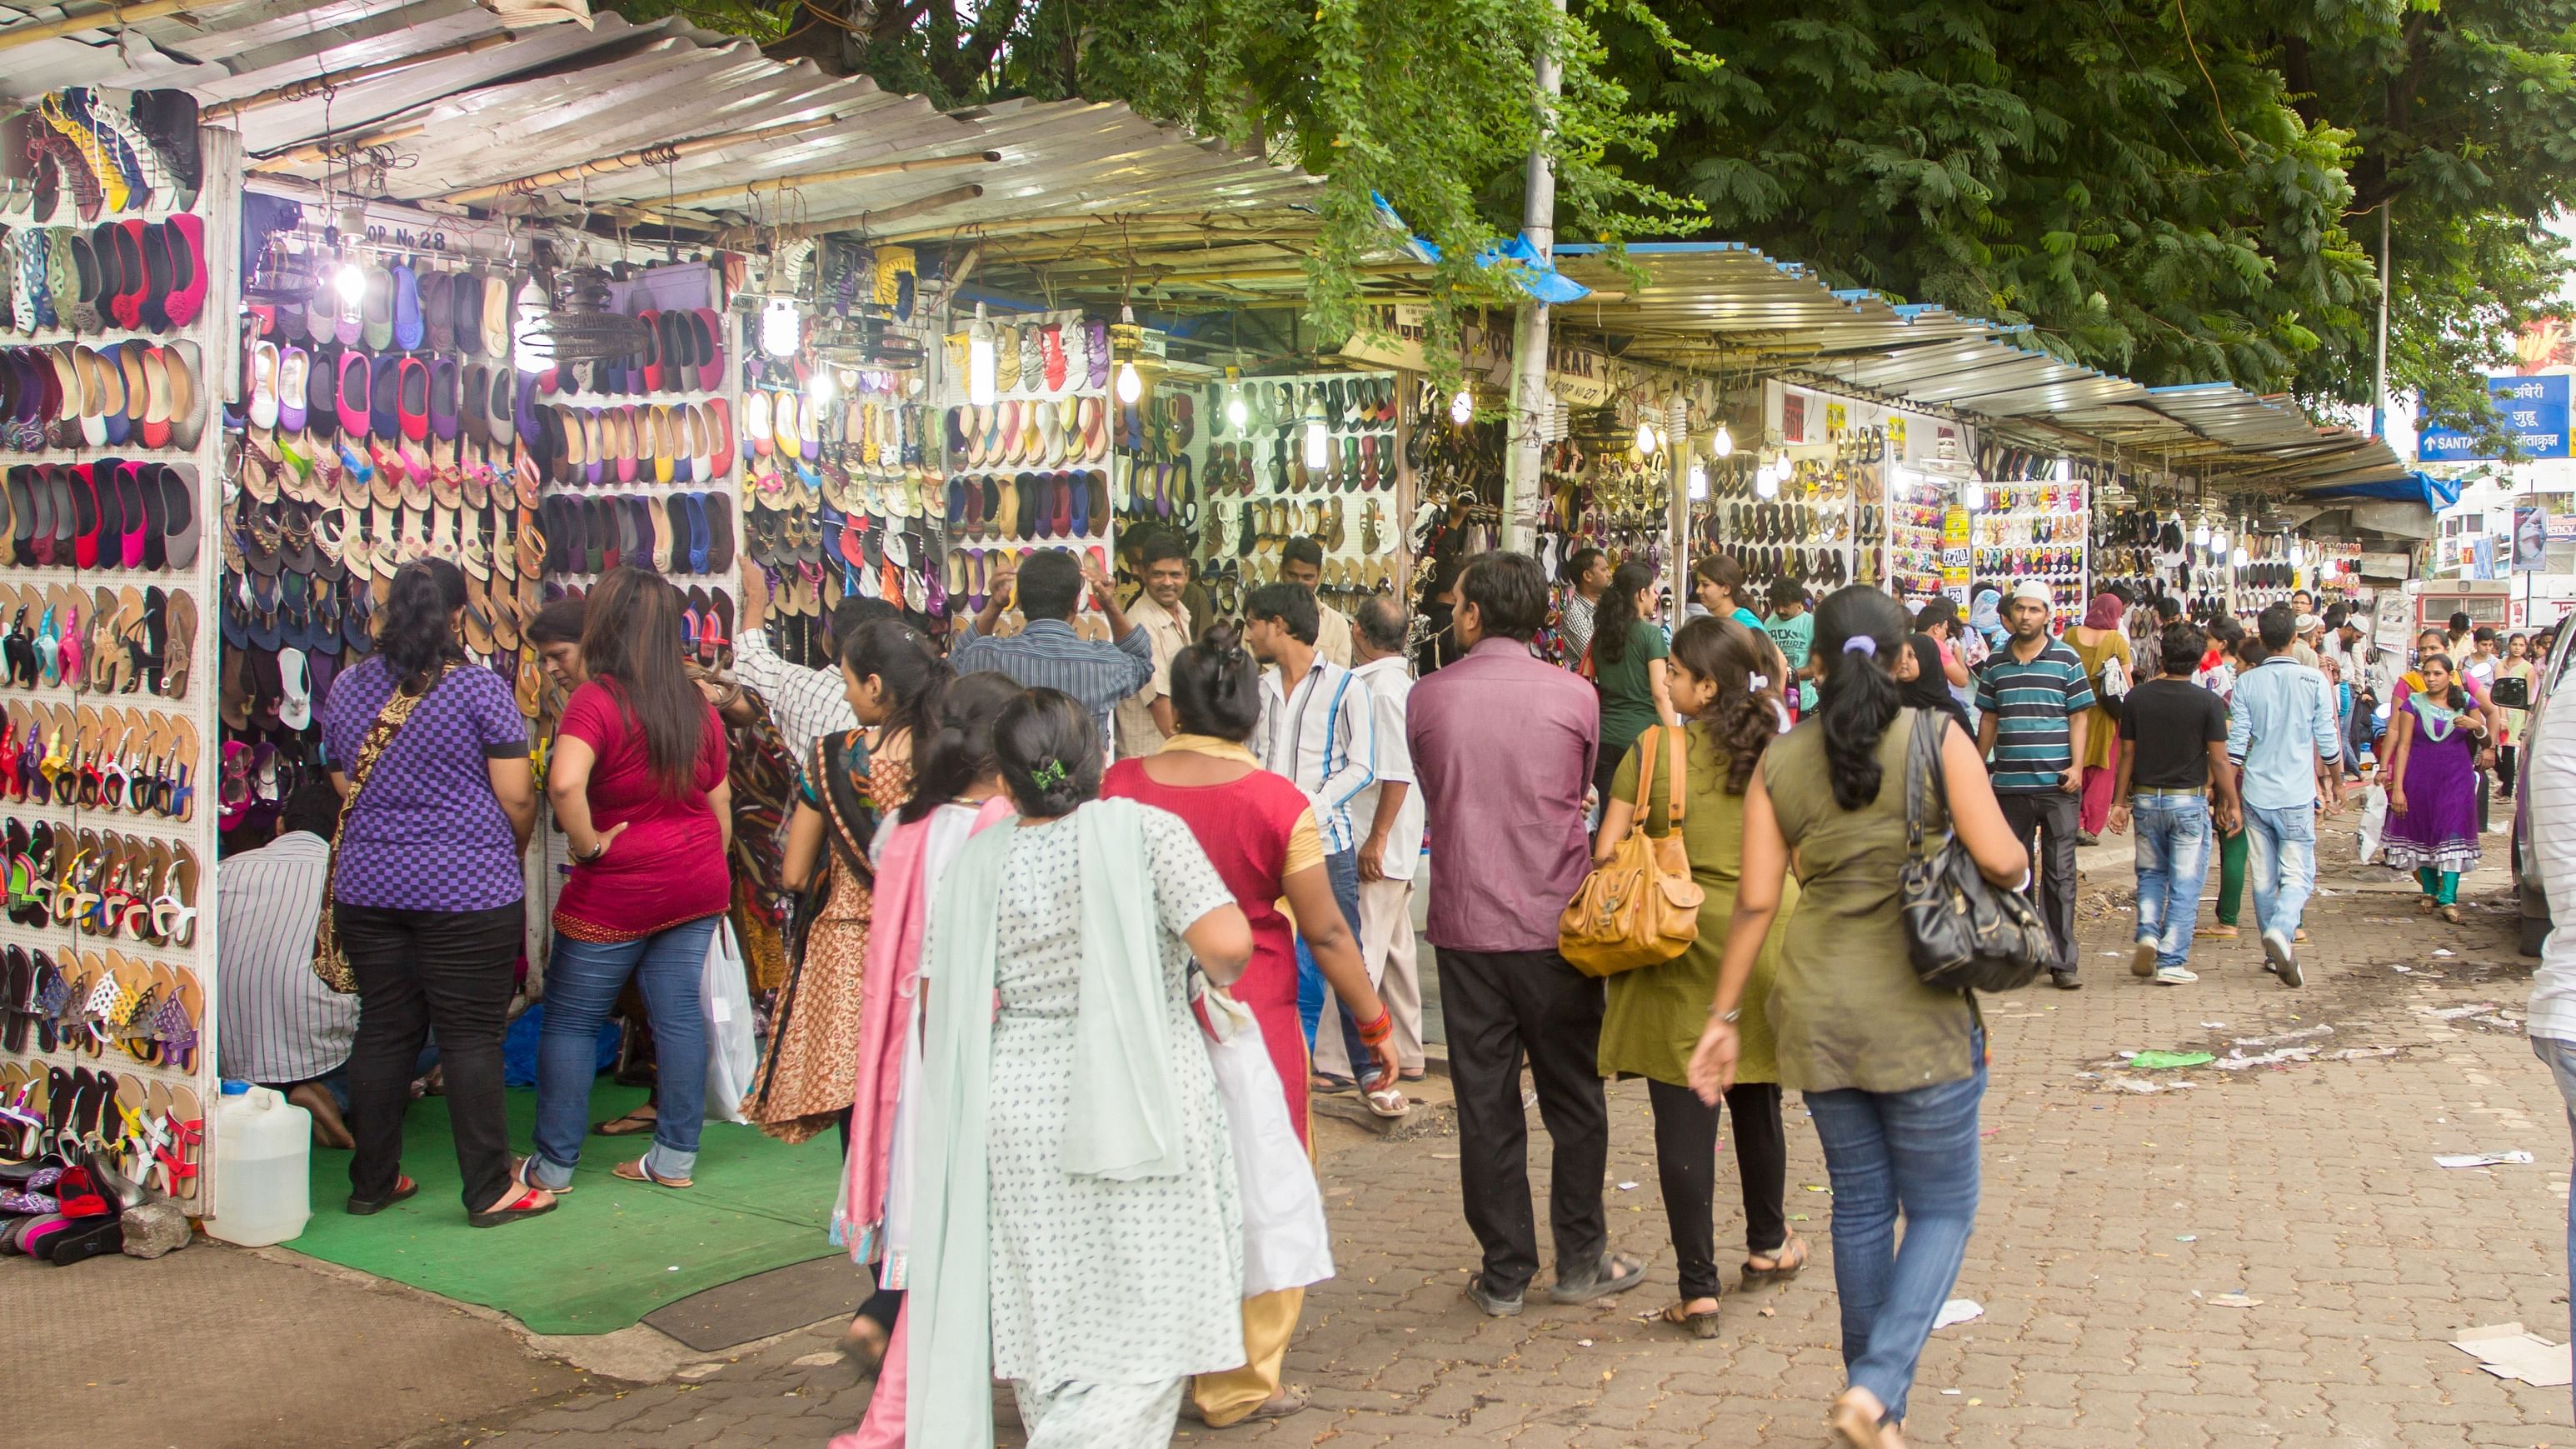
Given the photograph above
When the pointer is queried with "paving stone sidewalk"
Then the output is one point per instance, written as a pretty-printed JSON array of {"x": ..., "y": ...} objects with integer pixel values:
[{"x": 2119, "y": 1205}]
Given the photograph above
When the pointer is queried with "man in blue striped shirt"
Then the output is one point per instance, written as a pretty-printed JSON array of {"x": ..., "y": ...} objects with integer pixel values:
[
  {"x": 1048, "y": 654},
  {"x": 2031, "y": 699}
]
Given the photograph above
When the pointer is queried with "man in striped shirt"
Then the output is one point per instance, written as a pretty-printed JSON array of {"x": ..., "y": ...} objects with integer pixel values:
[
  {"x": 2031, "y": 699},
  {"x": 1048, "y": 654},
  {"x": 1318, "y": 730},
  {"x": 282, "y": 1028}
]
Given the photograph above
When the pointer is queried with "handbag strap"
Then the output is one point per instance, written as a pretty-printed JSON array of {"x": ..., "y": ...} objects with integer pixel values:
[
  {"x": 1678, "y": 767},
  {"x": 1922, "y": 776},
  {"x": 846, "y": 807}
]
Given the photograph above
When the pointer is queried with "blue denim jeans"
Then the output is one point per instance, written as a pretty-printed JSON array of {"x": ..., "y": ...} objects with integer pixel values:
[
  {"x": 582, "y": 983},
  {"x": 2281, "y": 859},
  {"x": 2561, "y": 1056},
  {"x": 2173, "y": 857},
  {"x": 1886, "y": 1151},
  {"x": 1343, "y": 871}
]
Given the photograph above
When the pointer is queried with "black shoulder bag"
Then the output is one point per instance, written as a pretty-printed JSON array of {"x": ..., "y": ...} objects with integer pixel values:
[{"x": 1964, "y": 932}]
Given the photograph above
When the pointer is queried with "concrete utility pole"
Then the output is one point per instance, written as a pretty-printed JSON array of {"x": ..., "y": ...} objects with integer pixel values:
[
  {"x": 2379, "y": 372},
  {"x": 1529, "y": 333}
]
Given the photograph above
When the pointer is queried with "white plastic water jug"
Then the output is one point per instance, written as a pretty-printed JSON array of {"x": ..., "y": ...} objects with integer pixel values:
[{"x": 263, "y": 1149}]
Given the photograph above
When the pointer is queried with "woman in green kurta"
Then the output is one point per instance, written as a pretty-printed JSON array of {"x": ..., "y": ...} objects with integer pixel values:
[{"x": 1655, "y": 1013}]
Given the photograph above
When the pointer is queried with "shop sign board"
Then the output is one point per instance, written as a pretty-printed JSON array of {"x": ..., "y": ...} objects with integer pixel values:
[
  {"x": 2392, "y": 620},
  {"x": 1397, "y": 335},
  {"x": 2531, "y": 410},
  {"x": 1954, "y": 554}
]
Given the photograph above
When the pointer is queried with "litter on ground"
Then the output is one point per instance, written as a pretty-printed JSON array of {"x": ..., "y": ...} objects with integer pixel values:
[
  {"x": 2480, "y": 1159},
  {"x": 2508, "y": 1352}
]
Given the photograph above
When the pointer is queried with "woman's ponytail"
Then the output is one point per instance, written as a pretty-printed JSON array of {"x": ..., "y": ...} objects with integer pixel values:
[{"x": 1858, "y": 631}]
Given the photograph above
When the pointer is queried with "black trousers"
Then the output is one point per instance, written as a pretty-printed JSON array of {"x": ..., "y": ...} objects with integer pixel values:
[
  {"x": 417, "y": 970},
  {"x": 1686, "y": 1162},
  {"x": 2049, "y": 816},
  {"x": 2504, "y": 770},
  {"x": 1502, "y": 1007}
]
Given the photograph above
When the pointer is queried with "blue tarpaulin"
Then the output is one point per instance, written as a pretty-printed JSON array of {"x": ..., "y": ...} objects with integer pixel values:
[
  {"x": 1537, "y": 278},
  {"x": 2416, "y": 487}
]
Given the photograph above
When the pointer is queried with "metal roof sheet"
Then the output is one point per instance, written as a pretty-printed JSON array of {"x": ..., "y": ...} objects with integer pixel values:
[{"x": 683, "y": 109}]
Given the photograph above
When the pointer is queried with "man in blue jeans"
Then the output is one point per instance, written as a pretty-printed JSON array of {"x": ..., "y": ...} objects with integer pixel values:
[
  {"x": 2282, "y": 738},
  {"x": 2176, "y": 733}
]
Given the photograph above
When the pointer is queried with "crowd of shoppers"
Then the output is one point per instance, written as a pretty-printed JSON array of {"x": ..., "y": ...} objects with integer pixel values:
[{"x": 1018, "y": 878}]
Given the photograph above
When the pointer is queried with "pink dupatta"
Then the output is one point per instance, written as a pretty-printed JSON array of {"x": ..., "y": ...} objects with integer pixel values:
[{"x": 886, "y": 996}]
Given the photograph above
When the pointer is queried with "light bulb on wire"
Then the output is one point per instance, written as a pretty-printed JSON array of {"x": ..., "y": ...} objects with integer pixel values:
[
  {"x": 1238, "y": 413},
  {"x": 981, "y": 363},
  {"x": 1974, "y": 496},
  {"x": 2239, "y": 557},
  {"x": 1646, "y": 439},
  {"x": 2200, "y": 536},
  {"x": 1698, "y": 482},
  {"x": 1462, "y": 408},
  {"x": 1766, "y": 480},
  {"x": 1131, "y": 383},
  {"x": 1721, "y": 443},
  {"x": 781, "y": 330},
  {"x": 351, "y": 283},
  {"x": 822, "y": 387}
]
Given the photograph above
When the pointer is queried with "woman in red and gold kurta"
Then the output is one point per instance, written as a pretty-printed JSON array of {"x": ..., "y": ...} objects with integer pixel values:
[{"x": 1259, "y": 831}]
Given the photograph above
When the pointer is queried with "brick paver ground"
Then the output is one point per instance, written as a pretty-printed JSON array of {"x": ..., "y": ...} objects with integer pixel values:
[{"x": 2114, "y": 1216}]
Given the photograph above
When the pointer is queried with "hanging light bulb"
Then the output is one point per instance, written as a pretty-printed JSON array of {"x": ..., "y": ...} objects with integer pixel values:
[
  {"x": 1462, "y": 408},
  {"x": 2064, "y": 472},
  {"x": 351, "y": 283},
  {"x": 1131, "y": 383},
  {"x": 822, "y": 387},
  {"x": 1974, "y": 496},
  {"x": 2200, "y": 536},
  {"x": 1646, "y": 438},
  {"x": 1319, "y": 441},
  {"x": 1238, "y": 413},
  {"x": 1721, "y": 443},
  {"x": 981, "y": 363},
  {"x": 534, "y": 347},
  {"x": 2218, "y": 540},
  {"x": 1766, "y": 479},
  {"x": 2238, "y": 558},
  {"x": 781, "y": 331},
  {"x": 1698, "y": 482}
]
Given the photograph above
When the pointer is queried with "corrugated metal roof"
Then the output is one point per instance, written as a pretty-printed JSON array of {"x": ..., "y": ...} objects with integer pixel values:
[{"x": 496, "y": 105}]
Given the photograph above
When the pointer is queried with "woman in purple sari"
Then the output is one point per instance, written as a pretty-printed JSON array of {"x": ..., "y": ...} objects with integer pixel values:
[{"x": 2433, "y": 785}]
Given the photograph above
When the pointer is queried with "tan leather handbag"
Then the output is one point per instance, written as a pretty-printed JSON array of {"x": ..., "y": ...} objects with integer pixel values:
[{"x": 1640, "y": 907}]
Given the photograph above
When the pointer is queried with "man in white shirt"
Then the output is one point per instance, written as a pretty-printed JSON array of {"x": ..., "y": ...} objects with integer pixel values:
[
  {"x": 1391, "y": 850},
  {"x": 2549, "y": 796},
  {"x": 1145, "y": 717},
  {"x": 1316, "y": 729},
  {"x": 1301, "y": 562},
  {"x": 282, "y": 1028},
  {"x": 805, "y": 704}
]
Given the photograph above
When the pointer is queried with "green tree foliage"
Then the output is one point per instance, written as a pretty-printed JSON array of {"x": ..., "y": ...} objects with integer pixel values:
[
  {"x": 1427, "y": 103},
  {"x": 2173, "y": 190}
]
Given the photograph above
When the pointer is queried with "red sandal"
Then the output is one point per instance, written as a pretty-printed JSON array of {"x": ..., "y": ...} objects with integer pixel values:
[{"x": 528, "y": 1203}]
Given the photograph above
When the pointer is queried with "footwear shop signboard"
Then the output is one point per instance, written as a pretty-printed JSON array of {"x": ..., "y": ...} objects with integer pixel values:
[{"x": 2531, "y": 410}]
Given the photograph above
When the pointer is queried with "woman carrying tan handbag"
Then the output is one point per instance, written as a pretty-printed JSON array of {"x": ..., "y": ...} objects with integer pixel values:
[{"x": 1655, "y": 1013}]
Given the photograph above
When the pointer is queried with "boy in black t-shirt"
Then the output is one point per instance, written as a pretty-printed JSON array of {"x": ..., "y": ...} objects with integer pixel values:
[{"x": 2174, "y": 734}]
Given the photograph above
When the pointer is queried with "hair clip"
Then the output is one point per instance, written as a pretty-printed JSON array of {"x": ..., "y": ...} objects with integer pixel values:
[
  {"x": 1756, "y": 683},
  {"x": 1048, "y": 775},
  {"x": 1861, "y": 644}
]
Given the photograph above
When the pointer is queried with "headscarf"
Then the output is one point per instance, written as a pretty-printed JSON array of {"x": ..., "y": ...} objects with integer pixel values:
[
  {"x": 1930, "y": 688},
  {"x": 1983, "y": 615},
  {"x": 2106, "y": 612}
]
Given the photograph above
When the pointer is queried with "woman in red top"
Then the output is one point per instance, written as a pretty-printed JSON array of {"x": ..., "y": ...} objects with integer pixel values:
[
  {"x": 638, "y": 787},
  {"x": 1259, "y": 831}
]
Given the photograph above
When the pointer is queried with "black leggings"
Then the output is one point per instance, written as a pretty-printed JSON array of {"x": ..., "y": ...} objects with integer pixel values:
[
  {"x": 2504, "y": 769},
  {"x": 1686, "y": 1162}
]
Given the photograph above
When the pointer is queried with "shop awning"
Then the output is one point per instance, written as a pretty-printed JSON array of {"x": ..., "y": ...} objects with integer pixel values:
[{"x": 448, "y": 101}]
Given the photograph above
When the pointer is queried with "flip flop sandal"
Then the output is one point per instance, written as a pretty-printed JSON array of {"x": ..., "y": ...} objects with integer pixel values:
[
  {"x": 363, "y": 1207},
  {"x": 1700, "y": 1325},
  {"x": 524, "y": 1205},
  {"x": 629, "y": 1125},
  {"x": 636, "y": 1171}
]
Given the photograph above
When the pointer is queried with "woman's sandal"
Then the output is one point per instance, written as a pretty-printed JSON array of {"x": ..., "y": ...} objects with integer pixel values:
[
  {"x": 1701, "y": 1325},
  {"x": 636, "y": 1171},
  {"x": 527, "y": 1202},
  {"x": 1786, "y": 1260},
  {"x": 2451, "y": 914},
  {"x": 1861, "y": 1420},
  {"x": 630, "y": 1125}
]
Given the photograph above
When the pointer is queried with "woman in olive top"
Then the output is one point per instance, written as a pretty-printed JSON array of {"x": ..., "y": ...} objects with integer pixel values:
[
  {"x": 1628, "y": 654},
  {"x": 1654, "y": 1013},
  {"x": 1891, "y": 1069}
]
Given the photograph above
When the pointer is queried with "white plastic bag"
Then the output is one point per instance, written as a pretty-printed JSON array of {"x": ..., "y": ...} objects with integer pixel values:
[
  {"x": 2374, "y": 816},
  {"x": 724, "y": 993},
  {"x": 1285, "y": 1244}
]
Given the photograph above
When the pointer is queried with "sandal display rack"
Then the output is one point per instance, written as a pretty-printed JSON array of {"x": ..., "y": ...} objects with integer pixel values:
[
  {"x": 1261, "y": 485},
  {"x": 2032, "y": 524},
  {"x": 1032, "y": 467},
  {"x": 108, "y": 1007},
  {"x": 1810, "y": 527}
]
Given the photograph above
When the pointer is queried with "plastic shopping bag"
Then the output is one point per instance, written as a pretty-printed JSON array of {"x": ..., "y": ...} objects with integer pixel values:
[
  {"x": 2374, "y": 816},
  {"x": 1284, "y": 1240},
  {"x": 732, "y": 1057}
]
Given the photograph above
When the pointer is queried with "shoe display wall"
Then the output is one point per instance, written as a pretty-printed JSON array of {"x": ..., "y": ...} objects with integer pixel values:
[
  {"x": 120, "y": 295},
  {"x": 1318, "y": 455},
  {"x": 1824, "y": 526}
]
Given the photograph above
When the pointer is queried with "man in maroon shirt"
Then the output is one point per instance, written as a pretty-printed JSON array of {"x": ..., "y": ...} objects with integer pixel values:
[{"x": 1503, "y": 745}]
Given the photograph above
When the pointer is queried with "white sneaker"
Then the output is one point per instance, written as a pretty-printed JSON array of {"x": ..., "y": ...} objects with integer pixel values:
[
  {"x": 2283, "y": 958},
  {"x": 2175, "y": 976}
]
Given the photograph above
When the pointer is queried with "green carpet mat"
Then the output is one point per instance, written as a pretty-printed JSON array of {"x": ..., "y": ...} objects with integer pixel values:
[{"x": 611, "y": 1251}]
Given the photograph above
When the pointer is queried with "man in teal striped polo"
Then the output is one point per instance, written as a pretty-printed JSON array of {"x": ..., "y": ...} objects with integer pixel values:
[{"x": 2031, "y": 699}]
